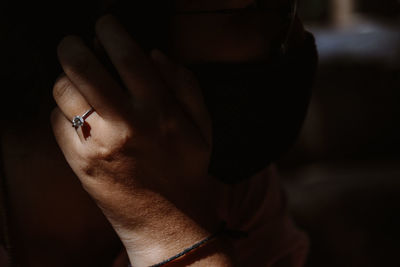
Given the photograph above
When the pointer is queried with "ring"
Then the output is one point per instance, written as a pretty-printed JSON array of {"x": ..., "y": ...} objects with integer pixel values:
[{"x": 79, "y": 121}]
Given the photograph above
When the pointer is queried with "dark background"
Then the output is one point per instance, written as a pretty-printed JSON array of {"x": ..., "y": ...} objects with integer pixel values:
[{"x": 343, "y": 176}]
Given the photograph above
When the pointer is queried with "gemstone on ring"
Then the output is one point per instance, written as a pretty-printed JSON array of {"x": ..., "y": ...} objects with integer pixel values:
[{"x": 79, "y": 121}]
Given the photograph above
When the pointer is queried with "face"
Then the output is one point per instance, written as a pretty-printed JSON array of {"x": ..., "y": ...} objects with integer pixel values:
[{"x": 256, "y": 97}]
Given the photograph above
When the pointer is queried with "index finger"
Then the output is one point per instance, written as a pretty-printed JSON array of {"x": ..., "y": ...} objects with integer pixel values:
[{"x": 90, "y": 77}]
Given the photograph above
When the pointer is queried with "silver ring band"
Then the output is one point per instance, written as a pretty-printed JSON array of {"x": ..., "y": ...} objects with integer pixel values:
[{"x": 79, "y": 121}]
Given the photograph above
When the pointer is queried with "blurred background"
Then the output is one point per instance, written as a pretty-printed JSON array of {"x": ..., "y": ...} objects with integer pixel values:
[{"x": 343, "y": 176}]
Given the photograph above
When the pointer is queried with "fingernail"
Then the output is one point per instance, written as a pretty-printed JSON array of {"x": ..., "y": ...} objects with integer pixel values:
[
  {"x": 105, "y": 21},
  {"x": 69, "y": 43}
]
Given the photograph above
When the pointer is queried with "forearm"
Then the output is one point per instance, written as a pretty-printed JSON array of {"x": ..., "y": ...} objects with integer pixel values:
[
  {"x": 215, "y": 253},
  {"x": 165, "y": 232},
  {"x": 217, "y": 258}
]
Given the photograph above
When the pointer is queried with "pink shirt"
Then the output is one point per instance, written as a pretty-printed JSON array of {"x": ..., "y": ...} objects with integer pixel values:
[{"x": 259, "y": 207}]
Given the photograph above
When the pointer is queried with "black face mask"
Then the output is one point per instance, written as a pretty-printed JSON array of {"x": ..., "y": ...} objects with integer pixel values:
[{"x": 257, "y": 109}]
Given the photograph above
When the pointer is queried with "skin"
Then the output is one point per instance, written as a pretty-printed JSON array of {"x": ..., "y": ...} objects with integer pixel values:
[
  {"x": 197, "y": 224},
  {"x": 147, "y": 150}
]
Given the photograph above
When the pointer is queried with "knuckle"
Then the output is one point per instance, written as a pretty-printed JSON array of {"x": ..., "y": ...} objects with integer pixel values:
[
  {"x": 112, "y": 150},
  {"x": 61, "y": 87},
  {"x": 125, "y": 139},
  {"x": 106, "y": 153},
  {"x": 98, "y": 151},
  {"x": 88, "y": 168}
]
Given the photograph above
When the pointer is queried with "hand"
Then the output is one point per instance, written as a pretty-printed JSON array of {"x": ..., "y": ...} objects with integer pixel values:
[{"x": 143, "y": 154}]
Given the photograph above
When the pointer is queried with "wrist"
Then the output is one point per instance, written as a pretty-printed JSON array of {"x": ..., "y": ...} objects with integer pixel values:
[
  {"x": 214, "y": 250},
  {"x": 162, "y": 240},
  {"x": 160, "y": 231},
  {"x": 151, "y": 227}
]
